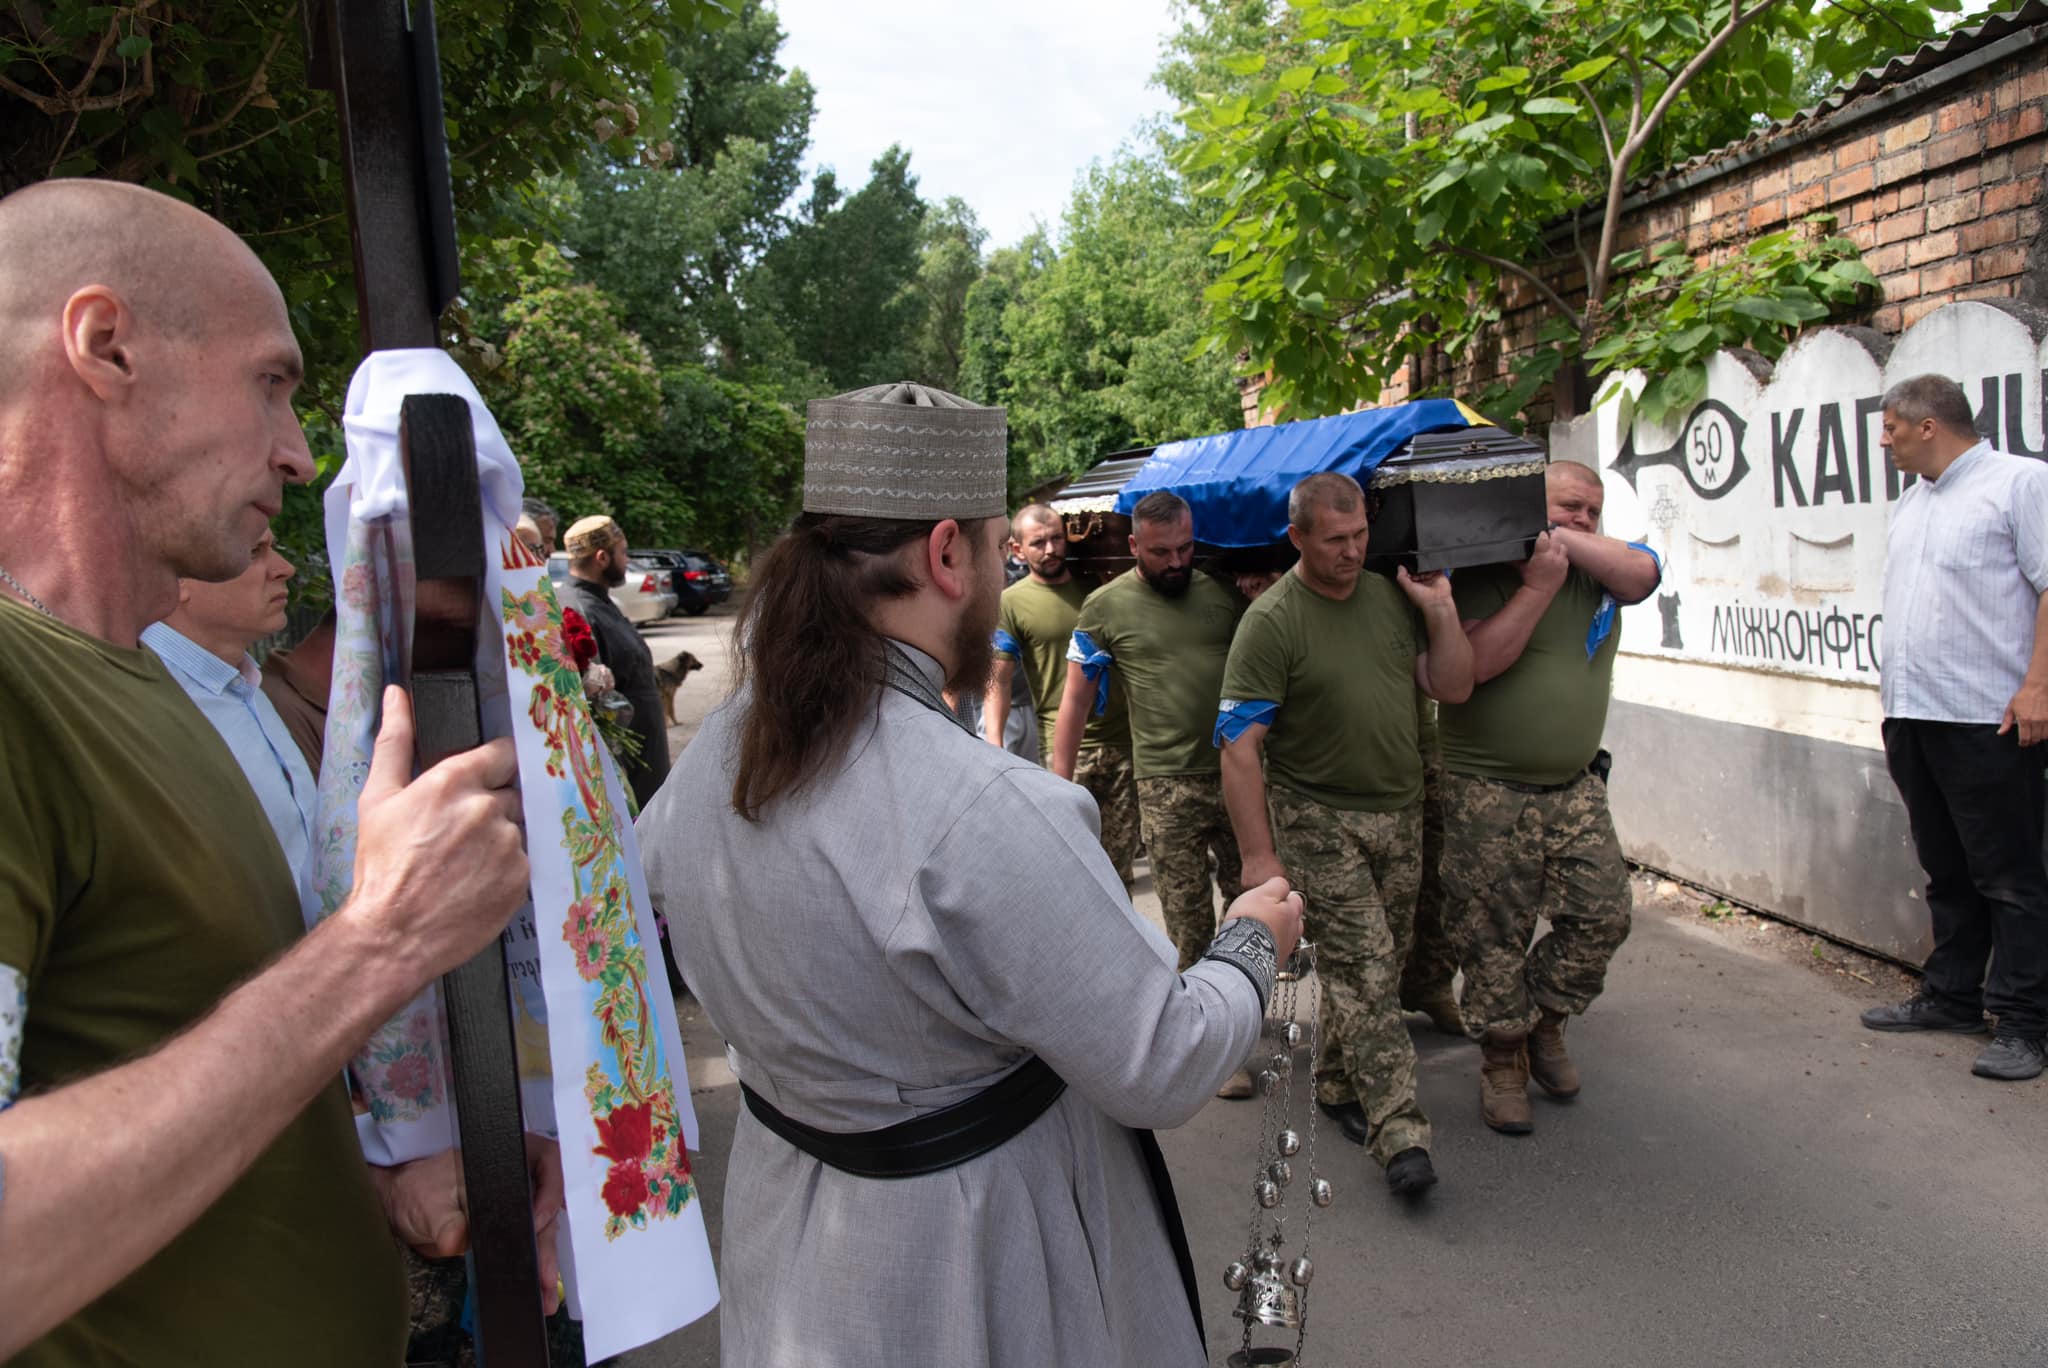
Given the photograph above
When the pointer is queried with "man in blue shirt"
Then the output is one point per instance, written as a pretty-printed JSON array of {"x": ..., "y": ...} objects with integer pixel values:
[
  {"x": 205, "y": 645},
  {"x": 1965, "y": 692}
]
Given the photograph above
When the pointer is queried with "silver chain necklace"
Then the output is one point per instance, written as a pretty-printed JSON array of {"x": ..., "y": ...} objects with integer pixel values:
[{"x": 18, "y": 587}]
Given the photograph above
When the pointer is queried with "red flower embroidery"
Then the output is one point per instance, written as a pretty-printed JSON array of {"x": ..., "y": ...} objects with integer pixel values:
[
  {"x": 627, "y": 1135},
  {"x": 582, "y": 645},
  {"x": 586, "y": 936},
  {"x": 625, "y": 1188},
  {"x": 408, "y": 1076}
]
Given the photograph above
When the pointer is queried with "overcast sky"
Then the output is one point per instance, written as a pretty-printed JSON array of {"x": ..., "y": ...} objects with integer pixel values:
[{"x": 1000, "y": 104}]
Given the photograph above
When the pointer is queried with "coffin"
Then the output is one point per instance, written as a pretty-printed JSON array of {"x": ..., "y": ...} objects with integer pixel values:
[{"x": 1471, "y": 496}]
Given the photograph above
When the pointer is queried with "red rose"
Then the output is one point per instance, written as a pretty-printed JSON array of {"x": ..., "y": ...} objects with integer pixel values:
[
  {"x": 627, "y": 1135},
  {"x": 625, "y": 1188},
  {"x": 582, "y": 645}
]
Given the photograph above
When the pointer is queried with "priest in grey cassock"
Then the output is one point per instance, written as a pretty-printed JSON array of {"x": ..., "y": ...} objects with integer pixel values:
[{"x": 952, "y": 1030}]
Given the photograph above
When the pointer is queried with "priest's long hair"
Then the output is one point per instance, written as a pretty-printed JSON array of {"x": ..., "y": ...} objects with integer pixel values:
[{"x": 806, "y": 648}]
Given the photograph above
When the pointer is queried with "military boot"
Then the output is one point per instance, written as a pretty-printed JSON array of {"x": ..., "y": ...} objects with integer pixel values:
[
  {"x": 1504, "y": 1081},
  {"x": 1548, "y": 1063},
  {"x": 1441, "y": 1007}
]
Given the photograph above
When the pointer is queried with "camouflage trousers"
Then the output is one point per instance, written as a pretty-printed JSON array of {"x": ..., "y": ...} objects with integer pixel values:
[
  {"x": 1432, "y": 959},
  {"x": 1105, "y": 771},
  {"x": 1188, "y": 837},
  {"x": 1358, "y": 874},
  {"x": 1514, "y": 856}
]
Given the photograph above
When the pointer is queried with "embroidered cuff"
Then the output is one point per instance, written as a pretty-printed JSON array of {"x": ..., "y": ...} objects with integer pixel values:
[
  {"x": 1006, "y": 645},
  {"x": 1094, "y": 663},
  {"x": 1246, "y": 945},
  {"x": 1235, "y": 715}
]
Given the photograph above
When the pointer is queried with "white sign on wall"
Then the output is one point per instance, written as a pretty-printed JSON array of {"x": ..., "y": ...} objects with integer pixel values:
[{"x": 1770, "y": 499}]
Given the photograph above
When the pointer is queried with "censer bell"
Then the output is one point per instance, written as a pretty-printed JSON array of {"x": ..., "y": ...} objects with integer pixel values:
[
  {"x": 1269, "y": 1300},
  {"x": 1271, "y": 1290}
]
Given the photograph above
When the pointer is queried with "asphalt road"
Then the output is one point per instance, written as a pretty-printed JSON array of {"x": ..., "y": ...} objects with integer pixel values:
[{"x": 1749, "y": 1177}]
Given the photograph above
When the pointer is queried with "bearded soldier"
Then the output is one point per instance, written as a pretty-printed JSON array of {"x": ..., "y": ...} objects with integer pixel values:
[
  {"x": 1032, "y": 633},
  {"x": 951, "y": 1030}
]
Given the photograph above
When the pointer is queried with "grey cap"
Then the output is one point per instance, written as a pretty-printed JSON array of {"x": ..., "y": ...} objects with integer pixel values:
[{"x": 905, "y": 451}]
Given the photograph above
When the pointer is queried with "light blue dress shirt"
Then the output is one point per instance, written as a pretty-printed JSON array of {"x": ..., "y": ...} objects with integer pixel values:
[
  {"x": 235, "y": 704},
  {"x": 1966, "y": 563}
]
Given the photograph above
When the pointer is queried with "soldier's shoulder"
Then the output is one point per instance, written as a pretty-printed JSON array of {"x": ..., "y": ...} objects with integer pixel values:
[{"x": 1110, "y": 593}]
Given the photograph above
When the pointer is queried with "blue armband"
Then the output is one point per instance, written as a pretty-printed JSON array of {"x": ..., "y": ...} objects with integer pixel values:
[
  {"x": 1604, "y": 615},
  {"x": 1094, "y": 663},
  {"x": 1234, "y": 716},
  {"x": 1007, "y": 644}
]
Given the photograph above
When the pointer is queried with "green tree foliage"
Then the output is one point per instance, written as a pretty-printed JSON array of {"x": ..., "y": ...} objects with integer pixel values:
[
  {"x": 210, "y": 103},
  {"x": 948, "y": 265},
  {"x": 738, "y": 450},
  {"x": 840, "y": 286},
  {"x": 671, "y": 240},
  {"x": 984, "y": 344},
  {"x": 580, "y": 398},
  {"x": 1383, "y": 167},
  {"x": 1093, "y": 352}
]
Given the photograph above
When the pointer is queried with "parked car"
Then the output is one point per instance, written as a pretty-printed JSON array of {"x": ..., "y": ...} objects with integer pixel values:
[
  {"x": 698, "y": 579},
  {"x": 646, "y": 596}
]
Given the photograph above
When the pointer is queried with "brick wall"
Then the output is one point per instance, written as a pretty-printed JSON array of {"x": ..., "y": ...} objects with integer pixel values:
[{"x": 1937, "y": 176}]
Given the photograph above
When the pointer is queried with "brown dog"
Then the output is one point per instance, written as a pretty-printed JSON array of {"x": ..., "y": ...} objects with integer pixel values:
[{"x": 670, "y": 675}]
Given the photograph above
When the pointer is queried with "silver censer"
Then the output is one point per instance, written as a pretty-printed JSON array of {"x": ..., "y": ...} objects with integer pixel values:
[{"x": 1272, "y": 1289}]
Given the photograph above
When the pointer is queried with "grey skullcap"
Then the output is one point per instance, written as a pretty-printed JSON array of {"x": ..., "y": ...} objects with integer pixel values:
[{"x": 905, "y": 451}]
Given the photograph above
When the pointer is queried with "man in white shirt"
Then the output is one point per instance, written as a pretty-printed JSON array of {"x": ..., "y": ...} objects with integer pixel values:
[
  {"x": 1965, "y": 691},
  {"x": 205, "y": 644}
]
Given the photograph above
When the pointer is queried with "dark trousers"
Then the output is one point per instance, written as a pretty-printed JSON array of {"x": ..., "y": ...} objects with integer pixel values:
[{"x": 1975, "y": 802}]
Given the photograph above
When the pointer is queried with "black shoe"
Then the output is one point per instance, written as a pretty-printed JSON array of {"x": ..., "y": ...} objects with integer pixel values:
[
  {"x": 2012, "y": 1059},
  {"x": 1410, "y": 1172},
  {"x": 1923, "y": 1013},
  {"x": 1350, "y": 1118}
]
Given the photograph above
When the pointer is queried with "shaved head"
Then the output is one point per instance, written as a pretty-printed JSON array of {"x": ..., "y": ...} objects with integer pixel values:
[
  {"x": 1031, "y": 515},
  {"x": 160, "y": 256},
  {"x": 1571, "y": 472},
  {"x": 147, "y": 366}
]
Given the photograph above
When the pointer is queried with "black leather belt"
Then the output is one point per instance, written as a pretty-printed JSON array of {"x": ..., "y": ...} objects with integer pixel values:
[{"x": 930, "y": 1143}]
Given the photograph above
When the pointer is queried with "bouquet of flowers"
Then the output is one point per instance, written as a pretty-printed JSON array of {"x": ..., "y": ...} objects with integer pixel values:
[{"x": 609, "y": 708}]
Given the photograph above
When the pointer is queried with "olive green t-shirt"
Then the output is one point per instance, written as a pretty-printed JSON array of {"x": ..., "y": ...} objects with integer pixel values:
[
  {"x": 1342, "y": 674},
  {"x": 139, "y": 883},
  {"x": 1040, "y": 619},
  {"x": 1540, "y": 720},
  {"x": 1168, "y": 654}
]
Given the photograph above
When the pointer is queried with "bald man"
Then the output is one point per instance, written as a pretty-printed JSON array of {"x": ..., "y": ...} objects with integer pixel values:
[
  {"x": 179, "y": 1154},
  {"x": 1526, "y": 827}
]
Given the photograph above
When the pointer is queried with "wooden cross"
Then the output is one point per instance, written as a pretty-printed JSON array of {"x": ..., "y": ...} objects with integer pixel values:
[{"x": 383, "y": 65}]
